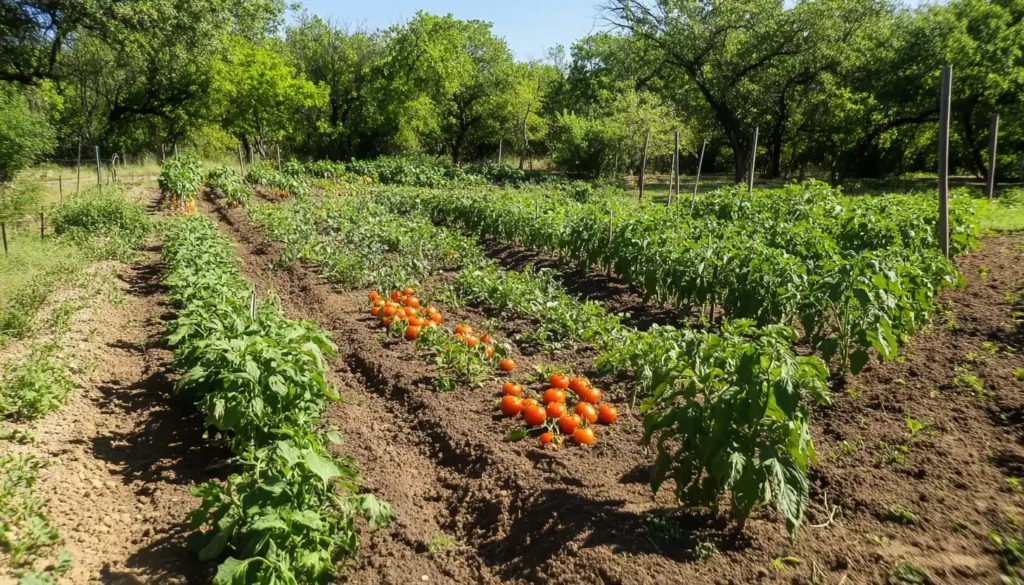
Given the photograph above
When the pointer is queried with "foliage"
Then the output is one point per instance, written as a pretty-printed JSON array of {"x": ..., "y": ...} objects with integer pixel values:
[
  {"x": 181, "y": 178},
  {"x": 105, "y": 220},
  {"x": 25, "y": 132},
  {"x": 259, "y": 378},
  {"x": 226, "y": 184},
  {"x": 35, "y": 386},
  {"x": 728, "y": 414},
  {"x": 284, "y": 184},
  {"x": 26, "y": 535},
  {"x": 19, "y": 198}
]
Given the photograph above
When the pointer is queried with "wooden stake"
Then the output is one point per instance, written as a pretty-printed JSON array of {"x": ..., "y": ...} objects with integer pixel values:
[
  {"x": 643, "y": 164},
  {"x": 175, "y": 150},
  {"x": 78, "y": 182},
  {"x": 42, "y": 225},
  {"x": 278, "y": 158},
  {"x": 499, "y": 150},
  {"x": 944, "y": 106},
  {"x": 993, "y": 140},
  {"x": 3, "y": 233},
  {"x": 700, "y": 164},
  {"x": 163, "y": 152},
  {"x": 753, "y": 160},
  {"x": 241, "y": 163},
  {"x": 673, "y": 180},
  {"x": 60, "y": 187},
  {"x": 99, "y": 177}
]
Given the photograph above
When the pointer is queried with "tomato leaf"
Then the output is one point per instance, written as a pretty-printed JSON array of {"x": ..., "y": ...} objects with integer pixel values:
[{"x": 516, "y": 435}]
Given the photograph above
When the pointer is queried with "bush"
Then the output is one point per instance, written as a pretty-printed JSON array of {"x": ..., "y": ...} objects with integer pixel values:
[
  {"x": 225, "y": 183},
  {"x": 105, "y": 219},
  {"x": 19, "y": 198},
  {"x": 25, "y": 133},
  {"x": 35, "y": 387}
]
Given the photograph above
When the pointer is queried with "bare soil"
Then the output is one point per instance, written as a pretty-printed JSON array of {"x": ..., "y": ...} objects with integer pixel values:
[{"x": 473, "y": 509}]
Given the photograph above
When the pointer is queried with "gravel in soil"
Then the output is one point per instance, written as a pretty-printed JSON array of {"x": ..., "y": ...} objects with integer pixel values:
[{"x": 474, "y": 509}]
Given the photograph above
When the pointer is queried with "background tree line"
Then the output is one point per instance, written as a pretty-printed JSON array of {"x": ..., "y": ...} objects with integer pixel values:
[{"x": 844, "y": 88}]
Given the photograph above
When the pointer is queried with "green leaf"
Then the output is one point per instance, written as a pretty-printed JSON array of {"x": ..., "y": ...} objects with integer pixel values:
[
  {"x": 516, "y": 435},
  {"x": 858, "y": 359},
  {"x": 322, "y": 466},
  {"x": 232, "y": 572}
]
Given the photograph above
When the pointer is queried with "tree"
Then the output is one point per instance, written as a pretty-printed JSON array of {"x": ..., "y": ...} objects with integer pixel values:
[{"x": 25, "y": 130}]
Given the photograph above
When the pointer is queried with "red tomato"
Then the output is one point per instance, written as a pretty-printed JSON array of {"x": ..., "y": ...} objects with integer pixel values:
[
  {"x": 607, "y": 414},
  {"x": 553, "y": 395},
  {"x": 584, "y": 436},
  {"x": 559, "y": 381},
  {"x": 408, "y": 291},
  {"x": 591, "y": 395},
  {"x": 578, "y": 384},
  {"x": 486, "y": 338},
  {"x": 587, "y": 411},
  {"x": 375, "y": 311},
  {"x": 390, "y": 311},
  {"x": 534, "y": 415},
  {"x": 463, "y": 329},
  {"x": 436, "y": 318},
  {"x": 556, "y": 410},
  {"x": 546, "y": 438},
  {"x": 396, "y": 295},
  {"x": 412, "y": 332},
  {"x": 529, "y": 402},
  {"x": 511, "y": 405},
  {"x": 489, "y": 351},
  {"x": 507, "y": 365},
  {"x": 568, "y": 423},
  {"x": 510, "y": 389}
]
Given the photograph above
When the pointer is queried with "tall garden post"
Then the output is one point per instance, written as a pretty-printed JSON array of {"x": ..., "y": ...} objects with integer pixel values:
[
  {"x": 500, "y": 144},
  {"x": 643, "y": 164},
  {"x": 753, "y": 160},
  {"x": 993, "y": 140},
  {"x": 3, "y": 234},
  {"x": 944, "y": 102},
  {"x": 175, "y": 150},
  {"x": 60, "y": 186},
  {"x": 673, "y": 181},
  {"x": 241, "y": 162},
  {"x": 78, "y": 182},
  {"x": 99, "y": 177},
  {"x": 700, "y": 164},
  {"x": 278, "y": 158},
  {"x": 42, "y": 225}
]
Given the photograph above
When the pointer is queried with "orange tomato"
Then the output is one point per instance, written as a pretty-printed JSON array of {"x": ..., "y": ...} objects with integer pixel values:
[
  {"x": 556, "y": 410},
  {"x": 416, "y": 322},
  {"x": 375, "y": 311},
  {"x": 401, "y": 314},
  {"x": 510, "y": 389},
  {"x": 436, "y": 318},
  {"x": 507, "y": 365},
  {"x": 396, "y": 296},
  {"x": 511, "y": 405},
  {"x": 486, "y": 338},
  {"x": 373, "y": 295},
  {"x": 489, "y": 352},
  {"x": 390, "y": 311},
  {"x": 409, "y": 291},
  {"x": 534, "y": 415},
  {"x": 567, "y": 423},
  {"x": 463, "y": 329},
  {"x": 386, "y": 321},
  {"x": 591, "y": 395},
  {"x": 378, "y": 303},
  {"x": 553, "y": 395},
  {"x": 587, "y": 411},
  {"x": 584, "y": 436},
  {"x": 547, "y": 438},
  {"x": 413, "y": 302},
  {"x": 607, "y": 414},
  {"x": 412, "y": 332},
  {"x": 577, "y": 385},
  {"x": 529, "y": 402},
  {"x": 559, "y": 381},
  {"x": 472, "y": 341}
]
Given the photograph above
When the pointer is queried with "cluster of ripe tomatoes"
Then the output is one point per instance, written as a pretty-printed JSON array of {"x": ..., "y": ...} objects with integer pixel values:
[
  {"x": 280, "y": 193},
  {"x": 552, "y": 413},
  {"x": 404, "y": 307}
]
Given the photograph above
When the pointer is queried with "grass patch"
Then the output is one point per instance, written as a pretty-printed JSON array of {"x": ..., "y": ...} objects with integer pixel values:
[
  {"x": 32, "y": 271},
  {"x": 1004, "y": 214}
]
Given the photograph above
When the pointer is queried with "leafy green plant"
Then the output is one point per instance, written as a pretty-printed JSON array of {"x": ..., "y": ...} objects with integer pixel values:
[
  {"x": 181, "y": 179},
  {"x": 907, "y": 572},
  {"x": 26, "y": 535},
  {"x": 899, "y": 514},
  {"x": 105, "y": 221},
  {"x": 746, "y": 385},
  {"x": 225, "y": 184},
  {"x": 36, "y": 386}
]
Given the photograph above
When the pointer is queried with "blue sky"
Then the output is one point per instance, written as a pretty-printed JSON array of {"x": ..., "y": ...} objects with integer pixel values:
[{"x": 529, "y": 27}]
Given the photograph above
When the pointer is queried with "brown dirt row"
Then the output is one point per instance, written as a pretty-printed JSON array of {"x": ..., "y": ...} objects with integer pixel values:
[{"x": 522, "y": 514}]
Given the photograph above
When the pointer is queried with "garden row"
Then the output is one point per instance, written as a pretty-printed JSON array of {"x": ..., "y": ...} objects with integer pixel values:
[
  {"x": 856, "y": 275},
  {"x": 287, "y": 515},
  {"x": 727, "y": 410}
]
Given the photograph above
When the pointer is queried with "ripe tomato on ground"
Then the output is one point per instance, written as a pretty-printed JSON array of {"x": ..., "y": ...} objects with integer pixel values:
[
  {"x": 535, "y": 415},
  {"x": 511, "y": 405},
  {"x": 396, "y": 295},
  {"x": 553, "y": 395},
  {"x": 547, "y": 438},
  {"x": 408, "y": 291},
  {"x": 578, "y": 384},
  {"x": 375, "y": 311},
  {"x": 489, "y": 351},
  {"x": 507, "y": 365},
  {"x": 529, "y": 402},
  {"x": 559, "y": 381},
  {"x": 463, "y": 329},
  {"x": 567, "y": 423},
  {"x": 556, "y": 410},
  {"x": 436, "y": 318},
  {"x": 587, "y": 411},
  {"x": 390, "y": 311},
  {"x": 412, "y": 332},
  {"x": 591, "y": 395},
  {"x": 607, "y": 414},
  {"x": 486, "y": 338},
  {"x": 584, "y": 436},
  {"x": 510, "y": 389}
]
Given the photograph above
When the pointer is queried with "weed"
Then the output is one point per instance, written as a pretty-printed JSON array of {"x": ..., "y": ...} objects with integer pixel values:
[
  {"x": 1014, "y": 485},
  {"x": 441, "y": 543},
  {"x": 1010, "y": 552},
  {"x": 60, "y": 320},
  {"x": 1018, "y": 374},
  {"x": 919, "y": 429},
  {"x": 27, "y": 536},
  {"x": 33, "y": 388},
  {"x": 894, "y": 455},
  {"x": 705, "y": 551},
  {"x": 845, "y": 448},
  {"x": 983, "y": 272},
  {"x": 899, "y": 514},
  {"x": 879, "y": 540},
  {"x": 907, "y": 572},
  {"x": 780, "y": 563},
  {"x": 965, "y": 378}
]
